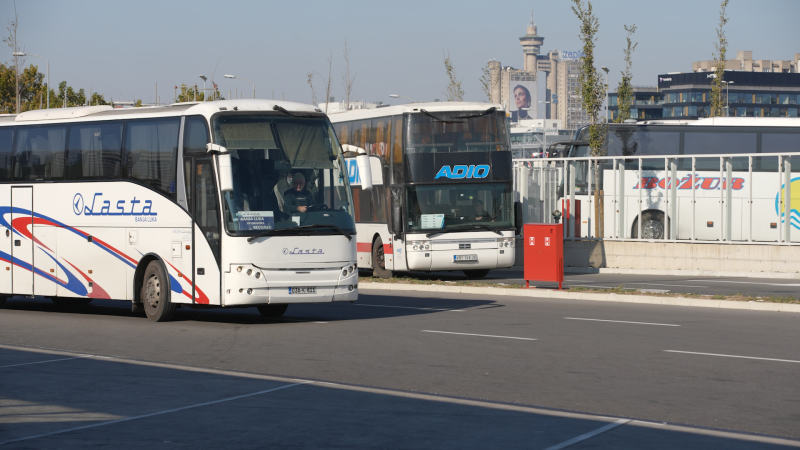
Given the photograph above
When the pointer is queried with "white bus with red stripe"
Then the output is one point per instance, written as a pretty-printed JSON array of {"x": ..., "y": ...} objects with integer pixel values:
[
  {"x": 442, "y": 196},
  {"x": 179, "y": 206}
]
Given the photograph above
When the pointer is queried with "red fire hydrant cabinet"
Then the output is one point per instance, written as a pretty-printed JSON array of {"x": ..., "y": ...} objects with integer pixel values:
[{"x": 544, "y": 252}]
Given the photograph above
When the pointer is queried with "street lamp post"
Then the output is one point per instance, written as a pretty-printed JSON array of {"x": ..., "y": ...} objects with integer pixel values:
[
  {"x": 606, "y": 70},
  {"x": 727, "y": 98},
  {"x": 400, "y": 96},
  {"x": 202, "y": 77},
  {"x": 245, "y": 79},
  {"x": 48, "y": 72}
]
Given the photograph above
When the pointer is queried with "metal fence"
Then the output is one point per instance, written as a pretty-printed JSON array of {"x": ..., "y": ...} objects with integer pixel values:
[{"x": 726, "y": 198}]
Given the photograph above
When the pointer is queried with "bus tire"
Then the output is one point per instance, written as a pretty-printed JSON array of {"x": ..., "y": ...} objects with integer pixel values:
[
  {"x": 477, "y": 273},
  {"x": 652, "y": 226},
  {"x": 62, "y": 301},
  {"x": 379, "y": 260},
  {"x": 155, "y": 294},
  {"x": 274, "y": 310}
]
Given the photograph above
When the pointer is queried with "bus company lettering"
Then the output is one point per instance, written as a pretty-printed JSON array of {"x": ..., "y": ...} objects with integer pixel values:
[
  {"x": 142, "y": 210},
  {"x": 458, "y": 172},
  {"x": 300, "y": 251},
  {"x": 705, "y": 183}
]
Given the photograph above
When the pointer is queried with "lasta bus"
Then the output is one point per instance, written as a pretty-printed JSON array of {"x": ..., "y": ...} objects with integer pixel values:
[
  {"x": 442, "y": 197},
  {"x": 226, "y": 203}
]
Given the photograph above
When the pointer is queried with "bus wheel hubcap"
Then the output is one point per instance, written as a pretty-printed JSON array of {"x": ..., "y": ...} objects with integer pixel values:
[
  {"x": 652, "y": 229},
  {"x": 153, "y": 291}
]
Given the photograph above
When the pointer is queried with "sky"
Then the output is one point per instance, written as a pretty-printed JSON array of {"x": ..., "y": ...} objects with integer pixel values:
[{"x": 122, "y": 49}]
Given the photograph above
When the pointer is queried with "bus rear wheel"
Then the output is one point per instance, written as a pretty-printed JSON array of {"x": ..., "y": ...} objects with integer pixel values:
[
  {"x": 379, "y": 260},
  {"x": 477, "y": 273},
  {"x": 272, "y": 310},
  {"x": 652, "y": 226},
  {"x": 155, "y": 295}
]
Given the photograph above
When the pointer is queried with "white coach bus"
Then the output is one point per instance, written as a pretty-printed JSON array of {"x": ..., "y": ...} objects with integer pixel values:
[
  {"x": 228, "y": 203},
  {"x": 719, "y": 179},
  {"x": 442, "y": 197}
]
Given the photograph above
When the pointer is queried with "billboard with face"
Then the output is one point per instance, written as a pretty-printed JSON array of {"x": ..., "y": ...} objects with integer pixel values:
[{"x": 522, "y": 100}]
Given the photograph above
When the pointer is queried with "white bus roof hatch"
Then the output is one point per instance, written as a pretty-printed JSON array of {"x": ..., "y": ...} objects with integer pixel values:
[{"x": 61, "y": 113}]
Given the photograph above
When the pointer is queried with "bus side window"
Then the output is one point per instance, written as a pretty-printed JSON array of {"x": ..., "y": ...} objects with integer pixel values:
[
  {"x": 6, "y": 147},
  {"x": 94, "y": 151},
  {"x": 195, "y": 135},
  {"x": 40, "y": 152},
  {"x": 152, "y": 149}
]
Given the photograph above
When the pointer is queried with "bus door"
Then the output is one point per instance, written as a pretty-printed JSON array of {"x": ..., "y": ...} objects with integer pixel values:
[
  {"x": 202, "y": 202},
  {"x": 21, "y": 247}
]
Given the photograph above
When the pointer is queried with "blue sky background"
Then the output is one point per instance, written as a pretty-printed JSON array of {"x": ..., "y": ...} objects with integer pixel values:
[{"x": 121, "y": 49}]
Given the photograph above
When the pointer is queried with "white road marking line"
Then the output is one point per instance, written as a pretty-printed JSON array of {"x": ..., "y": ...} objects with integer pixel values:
[
  {"x": 48, "y": 361},
  {"x": 481, "y": 335},
  {"x": 409, "y": 307},
  {"x": 143, "y": 416},
  {"x": 744, "y": 282},
  {"x": 590, "y": 434},
  {"x": 624, "y": 321},
  {"x": 733, "y": 356},
  {"x": 675, "y": 285}
]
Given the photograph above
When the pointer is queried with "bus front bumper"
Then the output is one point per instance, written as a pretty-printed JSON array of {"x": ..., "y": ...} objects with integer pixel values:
[{"x": 286, "y": 286}]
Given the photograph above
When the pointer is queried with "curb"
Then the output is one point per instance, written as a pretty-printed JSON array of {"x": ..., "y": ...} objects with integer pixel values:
[
  {"x": 546, "y": 293},
  {"x": 685, "y": 273}
]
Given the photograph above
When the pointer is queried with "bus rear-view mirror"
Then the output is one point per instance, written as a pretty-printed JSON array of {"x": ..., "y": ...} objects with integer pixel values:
[
  {"x": 225, "y": 172},
  {"x": 397, "y": 219},
  {"x": 364, "y": 172}
]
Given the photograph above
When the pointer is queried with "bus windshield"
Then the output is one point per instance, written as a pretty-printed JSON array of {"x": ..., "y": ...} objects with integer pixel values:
[
  {"x": 456, "y": 131},
  {"x": 288, "y": 172},
  {"x": 459, "y": 206}
]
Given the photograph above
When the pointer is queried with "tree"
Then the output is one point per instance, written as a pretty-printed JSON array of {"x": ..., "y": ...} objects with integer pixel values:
[
  {"x": 486, "y": 81},
  {"x": 310, "y": 82},
  {"x": 67, "y": 96},
  {"x": 190, "y": 94},
  {"x": 717, "y": 94},
  {"x": 593, "y": 90},
  {"x": 327, "y": 80},
  {"x": 97, "y": 99},
  {"x": 347, "y": 80},
  {"x": 625, "y": 89},
  {"x": 31, "y": 89},
  {"x": 453, "y": 92},
  {"x": 13, "y": 44}
]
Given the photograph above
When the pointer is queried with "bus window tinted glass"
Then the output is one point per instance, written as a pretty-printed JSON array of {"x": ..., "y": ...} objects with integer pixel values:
[
  {"x": 94, "y": 151},
  {"x": 40, "y": 153},
  {"x": 633, "y": 142},
  {"x": 461, "y": 131},
  {"x": 152, "y": 149},
  {"x": 779, "y": 143},
  {"x": 717, "y": 143},
  {"x": 195, "y": 135},
  {"x": 6, "y": 159}
]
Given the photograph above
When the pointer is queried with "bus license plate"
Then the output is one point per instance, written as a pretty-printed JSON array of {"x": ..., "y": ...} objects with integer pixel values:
[
  {"x": 302, "y": 290},
  {"x": 458, "y": 258}
]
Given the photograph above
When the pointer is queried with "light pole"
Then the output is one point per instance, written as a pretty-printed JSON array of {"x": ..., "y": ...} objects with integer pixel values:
[
  {"x": 245, "y": 79},
  {"x": 202, "y": 77},
  {"x": 605, "y": 69},
  {"x": 727, "y": 98},
  {"x": 48, "y": 72},
  {"x": 400, "y": 96}
]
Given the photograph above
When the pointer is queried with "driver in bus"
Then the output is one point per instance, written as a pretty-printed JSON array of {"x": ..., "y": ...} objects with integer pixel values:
[
  {"x": 297, "y": 199},
  {"x": 479, "y": 212}
]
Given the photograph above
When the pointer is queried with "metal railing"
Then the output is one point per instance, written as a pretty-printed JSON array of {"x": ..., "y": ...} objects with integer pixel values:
[{"x": 724, "y": 198}]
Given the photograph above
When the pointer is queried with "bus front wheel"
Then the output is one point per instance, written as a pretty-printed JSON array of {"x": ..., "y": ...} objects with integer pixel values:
[
  {"x": 272, "y": 310},
  {"x": 379, "y": 260},
  {"x": 155, "y": 295}
]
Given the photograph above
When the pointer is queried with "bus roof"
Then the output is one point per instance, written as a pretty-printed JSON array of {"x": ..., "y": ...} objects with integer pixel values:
[
  {"x": 92, "y": 113},
  {"x": 748, "y": 121},
  {"x": 397, "y": 110}
]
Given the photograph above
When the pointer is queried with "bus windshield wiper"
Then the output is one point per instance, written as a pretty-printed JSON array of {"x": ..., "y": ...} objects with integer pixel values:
[
  {"x": 300, "y": 228},
  {"x": 439, "y": 119},
  {"x": 293, "y": 114},
  {"x": 472, "y": 116},
  {"x": 462, "y": 230}
]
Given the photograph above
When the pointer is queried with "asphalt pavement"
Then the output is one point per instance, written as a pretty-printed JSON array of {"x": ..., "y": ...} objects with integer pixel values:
[
  {"x": 400, "y": 371},
  {"x": 704, "y": 285}
]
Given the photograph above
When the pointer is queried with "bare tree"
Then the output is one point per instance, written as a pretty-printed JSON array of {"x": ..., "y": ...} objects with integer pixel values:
[
  {"x": 625, "y": 89},
  {"x": 310, "y": 82},
  {"x": 717, "y": 99},
  {"x": 347, "y": 80},
  {"x": 327, "y": 81},
  {"x": 486, "y": 81},
  {"x": 12, "y": 43},
  {"x": 453, "y": 92}
]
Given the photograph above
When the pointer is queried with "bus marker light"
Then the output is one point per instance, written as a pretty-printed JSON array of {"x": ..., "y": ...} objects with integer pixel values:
[
  {"x": 180, "y": 275},
  {"x": 773, "y": 225},
  {"x": 52, "y": 270},
  {"x": 239, "y": 269},
  {"x": 710, "y": 224},
  {"x": 90, "y": 270},
  {"x": 188, "y": 247}
]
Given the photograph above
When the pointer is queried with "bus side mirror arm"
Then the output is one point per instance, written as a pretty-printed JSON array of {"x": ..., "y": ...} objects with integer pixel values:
[
  {"x": 518, "y": 219},
  {"x": 224, "y": 166}
]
